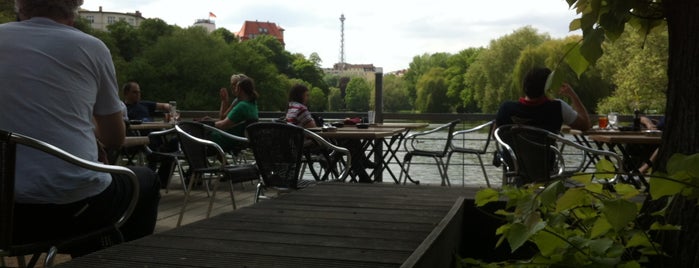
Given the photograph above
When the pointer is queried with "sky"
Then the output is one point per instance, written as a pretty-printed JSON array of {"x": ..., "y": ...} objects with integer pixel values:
[{"x": 387, "y": 34}]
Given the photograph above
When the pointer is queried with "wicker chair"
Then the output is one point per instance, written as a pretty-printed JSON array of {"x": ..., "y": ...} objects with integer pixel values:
[
  {"x": 207, "y": 161},
  {"x": 8, "y": 248},
  {"x": 278, "y": 150}
]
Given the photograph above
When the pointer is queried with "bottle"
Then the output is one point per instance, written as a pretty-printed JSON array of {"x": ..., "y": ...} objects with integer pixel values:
[{"x": 636, "y": 120}]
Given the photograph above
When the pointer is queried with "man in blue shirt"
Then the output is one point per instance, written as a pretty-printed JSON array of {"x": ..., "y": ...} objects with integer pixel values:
[{"x": 137, "y": 108}]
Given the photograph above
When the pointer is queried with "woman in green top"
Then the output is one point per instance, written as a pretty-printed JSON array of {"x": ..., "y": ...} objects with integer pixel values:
[{"x": 243, "y": 113}]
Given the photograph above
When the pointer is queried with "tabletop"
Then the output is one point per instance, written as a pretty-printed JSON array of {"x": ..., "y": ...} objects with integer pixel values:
[
  {"x": 131, "y": 141},
  {"x": 151, "y": 126},
  {"x": 351, "y": 132},
  {"x": 409, "y": 126},
  {"x": 626, "y": 138}
]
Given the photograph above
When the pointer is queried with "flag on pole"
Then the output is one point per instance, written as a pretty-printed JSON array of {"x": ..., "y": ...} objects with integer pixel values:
[{"x": 212, "y": 15}]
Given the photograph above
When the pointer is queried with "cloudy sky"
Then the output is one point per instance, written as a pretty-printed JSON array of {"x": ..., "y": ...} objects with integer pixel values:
[{"x": 385, "y": 33}]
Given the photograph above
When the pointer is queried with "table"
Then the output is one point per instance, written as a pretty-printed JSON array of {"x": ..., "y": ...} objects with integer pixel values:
[
  {"x": 151, "y": 126},
  {"x": 617, "y": 141},
  {"x": 373, "y": 136}
]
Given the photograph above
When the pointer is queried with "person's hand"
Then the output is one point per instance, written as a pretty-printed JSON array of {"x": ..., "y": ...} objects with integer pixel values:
[
  {"x": 566, "y": 90},
  {"x": 223, "y": 92}
]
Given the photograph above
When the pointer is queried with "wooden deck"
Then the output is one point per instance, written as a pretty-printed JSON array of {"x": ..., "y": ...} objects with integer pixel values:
[{"x": 327, "y": 225}]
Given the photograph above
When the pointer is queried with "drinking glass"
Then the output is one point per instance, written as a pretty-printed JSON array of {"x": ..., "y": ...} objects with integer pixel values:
[
  {"x": 603, "y": 122},
  {"x": 613, "y": 119}
]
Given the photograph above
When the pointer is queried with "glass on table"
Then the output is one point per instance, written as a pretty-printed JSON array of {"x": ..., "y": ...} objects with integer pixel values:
[
  {"x": 603, "y": 122},
  {"x": 612, "y": 118}
]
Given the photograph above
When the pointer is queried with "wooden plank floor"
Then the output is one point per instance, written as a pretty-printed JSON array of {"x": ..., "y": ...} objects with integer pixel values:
[{"x": 327, "y": 225}]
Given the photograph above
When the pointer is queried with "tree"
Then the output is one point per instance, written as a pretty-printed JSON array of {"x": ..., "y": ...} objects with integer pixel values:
[
  {"x": 432, "y": 92},
  {"x": 395, "y": 94},
  {"x": 335, "y": 102},
  {"x": 420, "y": 66},
  {"x": 606, "y": 20},
  {"x": 490, "y": 77},
  {"x": 126, "y": 39},
  {"x": 357, "y": 95},
  {"x": 456, "y": 77}
]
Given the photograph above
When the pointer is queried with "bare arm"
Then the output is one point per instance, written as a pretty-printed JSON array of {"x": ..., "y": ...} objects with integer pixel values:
[
  {"x": 582, "y": 122},
  {"x": 110, "y": 130},
  {"x": 226, "y": 106},
  {"x": 161, "y": 106}
]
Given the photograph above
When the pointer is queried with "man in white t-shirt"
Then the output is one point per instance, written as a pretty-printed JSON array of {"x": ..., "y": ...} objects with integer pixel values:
[{"x": 55, "y": 81}]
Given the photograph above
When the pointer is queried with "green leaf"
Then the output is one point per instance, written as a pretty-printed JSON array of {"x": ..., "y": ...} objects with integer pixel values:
[
  {"x": 591, "y": 47},
  {"x": 619, "y": 212},
  {"x": 582, "y": 178},
  {"x": 683, "y": 163},
  {"x": 600, "y": 246},
  {"x": 517, "y": 235},
  {"x": 595, "y": 188},
  {"x": 626, "y": 191},
  {"x": 576, "y": 24},
  {"x": 548, "y": 243},
  {"x": 571, "y": 198},
  {"x": 555, "y": 79},
  {"x": 665, "y": 227},
  {"x": 629, "y": 264},
  {"x": 574, "y": 59},
  {"x": 660, "y": 187},
  {"x": 600, "y": 227},
  {"x": 639, "y": 239},
  {"x": 550, "y": 193},
  {"x": 486, "y": 196},
  {"x": 604, "y": 165}
]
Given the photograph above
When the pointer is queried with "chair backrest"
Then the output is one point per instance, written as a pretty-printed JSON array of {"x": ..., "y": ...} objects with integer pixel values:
[
  {"x": 8, "y": 149},
  {"x": 445, "y": 130},
  {"x": 278, "y": 150},
  {"x": 195, "y": 144},
  {"x": 485, "y": 126},
  {"x": 529, "y": 153}
]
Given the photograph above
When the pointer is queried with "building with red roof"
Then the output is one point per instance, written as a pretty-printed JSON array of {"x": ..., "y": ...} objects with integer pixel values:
[{"x": 252, "y": 29}]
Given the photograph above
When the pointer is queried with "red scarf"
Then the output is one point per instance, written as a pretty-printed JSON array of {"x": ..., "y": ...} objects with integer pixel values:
[{"x": 536, "y": 102}]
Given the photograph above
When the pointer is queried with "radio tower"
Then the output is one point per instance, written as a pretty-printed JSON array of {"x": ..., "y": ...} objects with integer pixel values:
[{"x": 342, "y": 41}]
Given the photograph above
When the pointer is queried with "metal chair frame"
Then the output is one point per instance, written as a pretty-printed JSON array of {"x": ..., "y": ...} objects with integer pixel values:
[
  {"x": 478, "y": 152},
  {"x": 412, "y": 149},
  {"x": 516, "y": 169},
  {"x": 8, "y": 146}
]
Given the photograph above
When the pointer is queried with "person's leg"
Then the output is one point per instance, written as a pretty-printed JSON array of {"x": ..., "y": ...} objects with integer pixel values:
[{"x": 142, "y": 220}]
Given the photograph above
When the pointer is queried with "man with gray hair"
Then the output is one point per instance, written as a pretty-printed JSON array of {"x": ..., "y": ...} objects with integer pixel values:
[{"x": 57, "y": 81}]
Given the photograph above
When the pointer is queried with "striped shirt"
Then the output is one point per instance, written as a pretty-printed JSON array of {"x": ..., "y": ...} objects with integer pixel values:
[{"x": 298, "y": 114}]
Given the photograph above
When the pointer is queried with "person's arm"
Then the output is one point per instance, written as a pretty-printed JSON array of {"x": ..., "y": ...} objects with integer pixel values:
[
  {"x": 110, "y": 130},
  {"x": 582, "y": 122},
  {"x": 648, "y": 123},
  {"x": 226, "y": 106},
  {"x": 161, "y": 106}
]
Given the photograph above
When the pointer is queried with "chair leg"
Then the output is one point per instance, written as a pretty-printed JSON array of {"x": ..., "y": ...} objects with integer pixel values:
[
  {"x": 186, "y": 198},
  {"x": 407, "y": 159},
  {"x": 487, "y": 182},
  {"x": 447, "y": 167},
  {"x": 442, "y": 171},
  {"x": 230, "y": 183},
  {"x": 214, "y": 186},
  {"x": 258, "y": 192}
]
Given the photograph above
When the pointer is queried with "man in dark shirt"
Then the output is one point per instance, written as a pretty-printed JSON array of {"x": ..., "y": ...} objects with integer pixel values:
[
  {"x": 137, "y": 108},
  {"x": 144, "y": 110}
]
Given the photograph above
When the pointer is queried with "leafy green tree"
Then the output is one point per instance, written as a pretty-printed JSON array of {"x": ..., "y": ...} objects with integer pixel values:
[
  {"x": 420, "y": 66},
  {"x": 308, "y": 71},
  {"x": 638, "y": 69},
  {"x": 126, "y": 39},
  {"x": 432, "y": 92},
  {"x": 491, "y": 75},
  {"x": 151, "y": 29},
  {"x": 358, "y": 94},
  {"x": 186, "y": 66},
  {"x": 318, "y": 100},
  {"x": 225, "y": 34},
  {"x": 7, "y": 11},
  {"x": 335, "y": 102},
  {"x": 459, "y": 92},
  {"x": 273, "y": 51},
  {"x": 395, "y": 94}
]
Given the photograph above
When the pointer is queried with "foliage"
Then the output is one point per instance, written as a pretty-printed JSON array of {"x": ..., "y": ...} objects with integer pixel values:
[
  {"x": 419, "y": 67},
  {"x": 335, "y": 102},
  {"x": 357, "y": 95},
  {"x": 395, "y": 94},
  {"x": 432, "y": 92},
  {"x": 491, "y": 75},
  {"x": 589, "y": 225},
  {"x": 318, "y": 100},
  {"x": 459, "y": 88},
  {"x": 638, "y": 67}
]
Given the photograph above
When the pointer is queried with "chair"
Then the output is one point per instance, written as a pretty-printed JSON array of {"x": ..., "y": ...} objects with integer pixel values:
[
  {"x": 207, "y": 161},
  {"x": 160, "y": 141},
  {"x": 531, "y": 154},
  {"x": 8, "y": 147},
  {"x": 453, "y": 148},
  {"x": 419, "y": 144},
  {"x": 278, "y": 150}
]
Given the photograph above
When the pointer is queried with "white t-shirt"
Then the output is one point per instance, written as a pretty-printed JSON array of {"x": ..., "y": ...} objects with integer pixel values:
[
  {"x": 567, "y": 113},
  {"x": 54, "y": 79}
]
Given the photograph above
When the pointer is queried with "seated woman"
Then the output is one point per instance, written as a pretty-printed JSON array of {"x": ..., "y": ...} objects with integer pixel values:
[
  {"x": 226, "y": 103},
  {"x": 298, "y": 114},
  {"x": 241, "y": 115}
]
